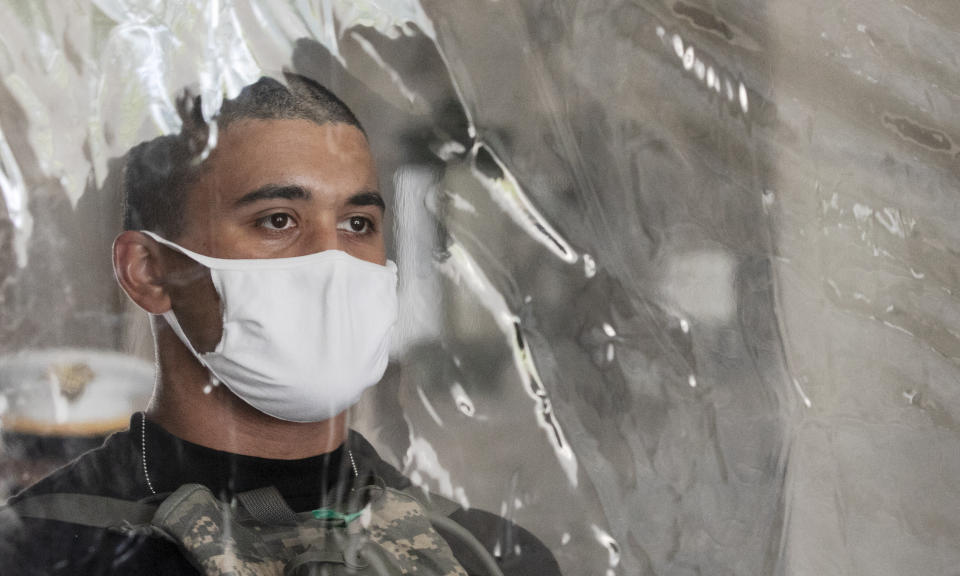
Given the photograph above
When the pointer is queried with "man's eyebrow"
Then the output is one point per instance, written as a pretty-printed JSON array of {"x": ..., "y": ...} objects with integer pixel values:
[
  {"x": 271, "y": 191},
  {"x": 367, "y": 198}
]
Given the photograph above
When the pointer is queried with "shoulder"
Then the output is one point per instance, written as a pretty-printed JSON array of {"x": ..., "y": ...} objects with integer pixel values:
[
  {"x": 110, "y": 470},
  {"x": 31, "y": 545},
  {"x": 518, "y": 552},
  {"x": 367, "y": 459}
]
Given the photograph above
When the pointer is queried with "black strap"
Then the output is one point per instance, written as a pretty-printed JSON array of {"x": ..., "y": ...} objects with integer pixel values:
[
  {"x": 85, "y": 509},
  {"x": 264, "y": 504},
  {"x": 267, "y": 506},
  {"x": 445, "y": 525}
]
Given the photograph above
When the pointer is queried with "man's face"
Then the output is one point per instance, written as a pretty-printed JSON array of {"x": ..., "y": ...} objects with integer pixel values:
[
  {"x": 274, "y": 189},
  {"x": 280, "y": 188}
]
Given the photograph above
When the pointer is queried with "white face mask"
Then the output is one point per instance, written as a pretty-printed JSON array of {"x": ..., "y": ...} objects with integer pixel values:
[{"x": 303, "y": 337}]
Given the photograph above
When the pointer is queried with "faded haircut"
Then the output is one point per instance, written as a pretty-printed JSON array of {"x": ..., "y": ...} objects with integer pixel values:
[{"x": 158, "y": 172}]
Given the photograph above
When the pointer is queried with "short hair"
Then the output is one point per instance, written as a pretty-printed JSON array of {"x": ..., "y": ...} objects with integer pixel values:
[{"x": 158, "y": 172}]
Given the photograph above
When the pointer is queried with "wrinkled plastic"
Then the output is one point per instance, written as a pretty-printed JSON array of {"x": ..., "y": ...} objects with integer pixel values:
[{"x": 678, "y": 278}]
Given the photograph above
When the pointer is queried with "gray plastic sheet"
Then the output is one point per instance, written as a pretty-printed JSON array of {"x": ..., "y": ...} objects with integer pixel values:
[{"x": 677, "y": 276}]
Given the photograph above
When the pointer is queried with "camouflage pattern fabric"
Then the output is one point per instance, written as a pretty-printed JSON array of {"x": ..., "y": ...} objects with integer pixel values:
[
  {"x": 398, "y": 525},
  {"x": 393, "y": 536}
]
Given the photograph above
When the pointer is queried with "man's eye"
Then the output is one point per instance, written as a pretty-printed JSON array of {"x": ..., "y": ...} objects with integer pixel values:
[
  {"x": 278, "y": 221},
  {"x": 356, "y": 225}
]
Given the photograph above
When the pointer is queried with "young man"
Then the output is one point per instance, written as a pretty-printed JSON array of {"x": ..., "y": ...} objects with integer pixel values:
[{"x": 258, "y": 249}]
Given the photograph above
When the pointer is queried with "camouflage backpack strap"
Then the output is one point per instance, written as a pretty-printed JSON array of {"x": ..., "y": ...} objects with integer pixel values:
[
  {"x": 434, "y": 504},
  {"x": 438, "y": 509},
  {"x": 211, "y": 538},
  {"x": 401, "y": 527},
  {"x": 263, "y": 537}
]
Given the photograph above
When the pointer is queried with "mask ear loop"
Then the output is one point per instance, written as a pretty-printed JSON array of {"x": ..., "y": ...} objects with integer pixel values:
[
  {"x": 169, "y": 315},
  {"x": 198, "y": 258},
  {"x": 171, "y": 319}
]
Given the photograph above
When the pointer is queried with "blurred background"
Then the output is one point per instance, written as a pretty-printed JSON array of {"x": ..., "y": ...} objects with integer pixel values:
[{"x": 677, "y": 276}]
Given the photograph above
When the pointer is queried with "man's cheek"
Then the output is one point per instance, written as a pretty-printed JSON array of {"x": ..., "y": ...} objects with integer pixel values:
[{"x": 199, "y": 310}]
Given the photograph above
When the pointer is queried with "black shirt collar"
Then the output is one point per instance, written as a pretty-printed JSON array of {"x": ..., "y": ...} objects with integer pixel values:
[{"x": 305, "y": 484}]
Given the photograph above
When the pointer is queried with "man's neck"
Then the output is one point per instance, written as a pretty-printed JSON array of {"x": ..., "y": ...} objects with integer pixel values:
[{"x": 188, "y": 407}]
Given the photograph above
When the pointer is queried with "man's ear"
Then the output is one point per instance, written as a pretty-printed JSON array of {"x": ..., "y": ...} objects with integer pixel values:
[{"x": 139, "y": 269}]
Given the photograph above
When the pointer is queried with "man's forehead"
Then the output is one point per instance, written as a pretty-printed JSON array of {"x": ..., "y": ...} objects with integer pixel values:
[
  {"x": 329, "y": 161},
  {"x": 279, "y": 138}
]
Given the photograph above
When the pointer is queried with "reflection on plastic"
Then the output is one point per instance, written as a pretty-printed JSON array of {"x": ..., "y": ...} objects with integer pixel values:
[{"x": 753, "y": 368}]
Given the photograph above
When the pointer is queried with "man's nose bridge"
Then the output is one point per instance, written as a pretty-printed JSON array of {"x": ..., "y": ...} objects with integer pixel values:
[{"x": 324, "y": 236}]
